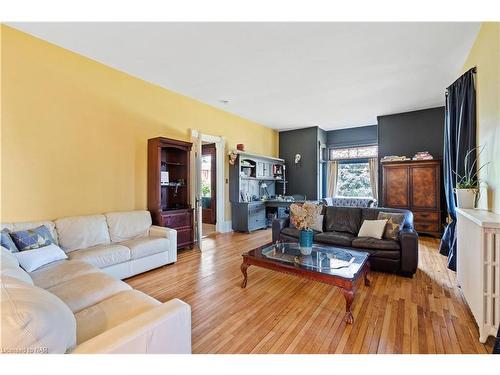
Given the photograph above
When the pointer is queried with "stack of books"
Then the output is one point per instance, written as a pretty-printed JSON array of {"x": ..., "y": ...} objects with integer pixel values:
[{"x": 423, "y": 155}]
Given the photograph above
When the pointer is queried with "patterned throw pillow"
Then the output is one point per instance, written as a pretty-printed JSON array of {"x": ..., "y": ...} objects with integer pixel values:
[
  {"x": 32, "y": 238},
  {"x": 7, "y": 241},
  {"x": 394, "y": 224}
]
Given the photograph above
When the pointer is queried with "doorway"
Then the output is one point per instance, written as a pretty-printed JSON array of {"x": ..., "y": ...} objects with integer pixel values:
[{"x": 208, "y": 188}]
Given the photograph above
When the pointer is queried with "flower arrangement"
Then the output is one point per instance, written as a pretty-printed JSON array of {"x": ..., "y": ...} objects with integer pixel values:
[
  {"x": 232, "y": 157},
  {"x": 303, "y": 216}
]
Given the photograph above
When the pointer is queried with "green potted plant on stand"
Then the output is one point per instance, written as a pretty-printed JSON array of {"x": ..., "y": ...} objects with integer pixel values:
[
  {"x": 304, "y": 217},
  {"x": 467, "y": 189}
]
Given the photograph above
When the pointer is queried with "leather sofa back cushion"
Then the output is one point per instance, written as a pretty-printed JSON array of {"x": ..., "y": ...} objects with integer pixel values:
[
  {"x": 125, "y": 226},
  {"x": 343, "y": 219},
  {"x": 80, "y": 232},
  {"x": 34, "y": 320}
]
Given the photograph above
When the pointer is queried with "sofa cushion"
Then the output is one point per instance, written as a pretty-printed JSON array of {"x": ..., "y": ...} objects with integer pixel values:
[
  {"x": 372, "y": 214},
  {"x": 34, "y": 320},
  {"x": 395, "y": 222},
  {"x": 7, "y": 242},
  {"x": 343, "y": 219},
  {"x": 334, "y": 238},
  {"x": 31, "y": 260},
  {"x": 374, "y": 243},
  {"x": 16, "y": 227},
  {"x": 9, "y": 267},
  {"x": 81, "y": 232},
  {"x": 34, "y": 238},
  {"x": 60, "y": 272},
  {"x": 87, "y": 290},
  {"x": 109, "y": 313},
  {"x": 103, "y": 255},
  {"x": 145, "y": 246},
  {"x": 125, "y": 226},
  {"x": 291, "y": 231}
]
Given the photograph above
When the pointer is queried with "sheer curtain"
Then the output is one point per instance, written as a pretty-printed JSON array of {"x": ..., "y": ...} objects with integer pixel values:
[
  {"x": 373, "y": 166},
  {"x": 333, "y": 170}
]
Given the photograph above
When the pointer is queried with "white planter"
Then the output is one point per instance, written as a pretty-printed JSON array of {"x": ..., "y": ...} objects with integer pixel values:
[{"x": 466, "y": 198}]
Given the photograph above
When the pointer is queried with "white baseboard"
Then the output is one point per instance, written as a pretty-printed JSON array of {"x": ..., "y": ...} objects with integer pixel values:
[{"x": 226, "y": 227}]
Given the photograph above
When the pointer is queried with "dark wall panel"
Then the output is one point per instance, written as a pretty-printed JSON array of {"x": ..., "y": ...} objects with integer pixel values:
[
  {"x": 410, "y": 132},
  {"x": 302, "y": 177},
  {"x": 362, "y": 136}
]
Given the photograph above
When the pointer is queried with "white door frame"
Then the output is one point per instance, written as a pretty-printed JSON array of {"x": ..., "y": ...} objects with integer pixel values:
[{"x": 220, "y": 145}]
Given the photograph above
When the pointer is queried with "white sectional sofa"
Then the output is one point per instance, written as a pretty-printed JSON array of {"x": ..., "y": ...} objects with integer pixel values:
[
  {"x": 79, "y": 305},
  {"x": 122, "y": 244},
  {"x": 70, "y": 306}
]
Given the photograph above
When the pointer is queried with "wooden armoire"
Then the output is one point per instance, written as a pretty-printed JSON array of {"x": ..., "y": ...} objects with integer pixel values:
[
  {"x": 168, "y": 187},
  {"x": 416, "y": 186}
]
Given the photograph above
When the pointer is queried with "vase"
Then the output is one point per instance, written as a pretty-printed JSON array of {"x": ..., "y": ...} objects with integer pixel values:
[
  {"x": 466, "y": 198},
  {"x": 306, "y": 241}
]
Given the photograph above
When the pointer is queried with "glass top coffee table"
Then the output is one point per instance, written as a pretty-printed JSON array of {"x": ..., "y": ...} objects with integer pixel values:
[{"x": 330, "y": 265}]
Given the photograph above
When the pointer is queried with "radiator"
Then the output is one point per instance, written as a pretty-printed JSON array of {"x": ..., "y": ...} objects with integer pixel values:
[{"x": 478, "y": 267}]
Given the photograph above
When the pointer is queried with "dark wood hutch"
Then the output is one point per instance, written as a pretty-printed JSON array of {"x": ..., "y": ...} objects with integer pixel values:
[
  {"x": 415, "y": 185},
  {"x": 168, "y": 187}
]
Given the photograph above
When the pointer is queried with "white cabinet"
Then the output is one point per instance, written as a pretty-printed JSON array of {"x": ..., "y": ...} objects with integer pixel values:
[{"x": 478, "y": 267}]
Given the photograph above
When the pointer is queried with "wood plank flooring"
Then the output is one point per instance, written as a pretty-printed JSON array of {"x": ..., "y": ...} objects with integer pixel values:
[{"x": 280, "y": 313}]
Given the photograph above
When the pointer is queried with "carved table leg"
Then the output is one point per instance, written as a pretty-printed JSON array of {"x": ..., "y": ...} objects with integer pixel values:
[
  {"x": 367, "y": 271},
  {"x": 349, "y": 297},
  {"x": 243, "y": 269}
]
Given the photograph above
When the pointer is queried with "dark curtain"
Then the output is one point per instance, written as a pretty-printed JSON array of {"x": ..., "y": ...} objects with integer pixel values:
[
  {"x": 496, "y": 348},
  {"x": 459, "y": 138}
]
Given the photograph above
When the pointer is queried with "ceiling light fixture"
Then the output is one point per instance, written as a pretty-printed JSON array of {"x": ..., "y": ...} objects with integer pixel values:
[{"x": 224, "y": 101}]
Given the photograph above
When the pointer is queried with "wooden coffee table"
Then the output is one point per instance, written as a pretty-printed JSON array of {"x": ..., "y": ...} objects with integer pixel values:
[{"x": 330, "y": 265}]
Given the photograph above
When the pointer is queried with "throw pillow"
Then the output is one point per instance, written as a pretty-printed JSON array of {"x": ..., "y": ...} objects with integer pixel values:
[
  {"x": 372, "y": 228},
  {"x": 31, "y": 260},
  {"x": 7, "y": 241},
  {"x": 318, "y": 223},
  {"x": 395, "y": 222},
  {"x": 32, "y": 238}
]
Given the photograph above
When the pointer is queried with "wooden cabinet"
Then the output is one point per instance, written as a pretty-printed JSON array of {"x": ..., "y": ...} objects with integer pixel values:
[
  {"x": 168, "y": 187},
  {"x": 415, "y": 186}
]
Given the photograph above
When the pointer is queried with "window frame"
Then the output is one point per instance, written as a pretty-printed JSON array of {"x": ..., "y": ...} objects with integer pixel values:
[{"x": 354, "y": 160}]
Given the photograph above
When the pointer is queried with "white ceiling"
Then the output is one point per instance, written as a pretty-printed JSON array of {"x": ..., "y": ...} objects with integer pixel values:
[{"x": 282, "y": 75}]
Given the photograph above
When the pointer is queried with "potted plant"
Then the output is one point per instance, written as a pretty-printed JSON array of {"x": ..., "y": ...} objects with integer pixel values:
[
  {"x": 303, "y": 217},
  {"x": 467, "y": 189}
]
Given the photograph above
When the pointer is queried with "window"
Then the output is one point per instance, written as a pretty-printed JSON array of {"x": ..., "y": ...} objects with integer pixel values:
[
  {"x": 363, "y": 152},
  {"x": 353, "y": 171},
  {"x": 206, "y": 176},
  {"x": 354, "y": 180}
]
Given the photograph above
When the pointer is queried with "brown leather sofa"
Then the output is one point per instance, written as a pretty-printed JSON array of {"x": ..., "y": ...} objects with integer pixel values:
[{"x": 341, "y": 226}]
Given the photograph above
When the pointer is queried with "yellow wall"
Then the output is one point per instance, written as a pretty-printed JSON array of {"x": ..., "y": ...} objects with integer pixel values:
[
  {"x": 74, "y": 131},
  {"x": 485, "y": 54}
]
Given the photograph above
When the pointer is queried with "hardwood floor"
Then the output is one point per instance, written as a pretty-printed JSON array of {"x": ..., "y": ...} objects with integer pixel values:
[{"x": 279, "y": 313}]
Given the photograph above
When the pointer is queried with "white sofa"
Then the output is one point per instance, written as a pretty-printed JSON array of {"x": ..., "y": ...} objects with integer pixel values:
[
  {"x": 70, "y": 306},
  {"x": 122, "y": 244},
  {"x": 79, "y": 305}
]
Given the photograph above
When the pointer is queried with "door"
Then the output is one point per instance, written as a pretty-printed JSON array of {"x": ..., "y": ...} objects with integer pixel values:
[
  {"x": 424, "y": 194},
  {"x": 198, "y": 224},
  {"x": 396, "y": 181},
  {"x": 208, "y": 185}
]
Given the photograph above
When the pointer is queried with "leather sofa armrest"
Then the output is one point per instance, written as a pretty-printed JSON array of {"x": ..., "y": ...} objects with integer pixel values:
[
  {"x": 278, "y": 225},
  {"x": 165, "y": 329},
  {"x": 169, "y": 233},
  {"x": 408, "y": 239}
]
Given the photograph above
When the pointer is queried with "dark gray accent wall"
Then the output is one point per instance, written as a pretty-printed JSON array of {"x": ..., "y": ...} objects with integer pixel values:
[
  {"x": 361, "y": 136},
  {"x": 302, "y": 177},
  {"x": 410, "y": 132}
]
